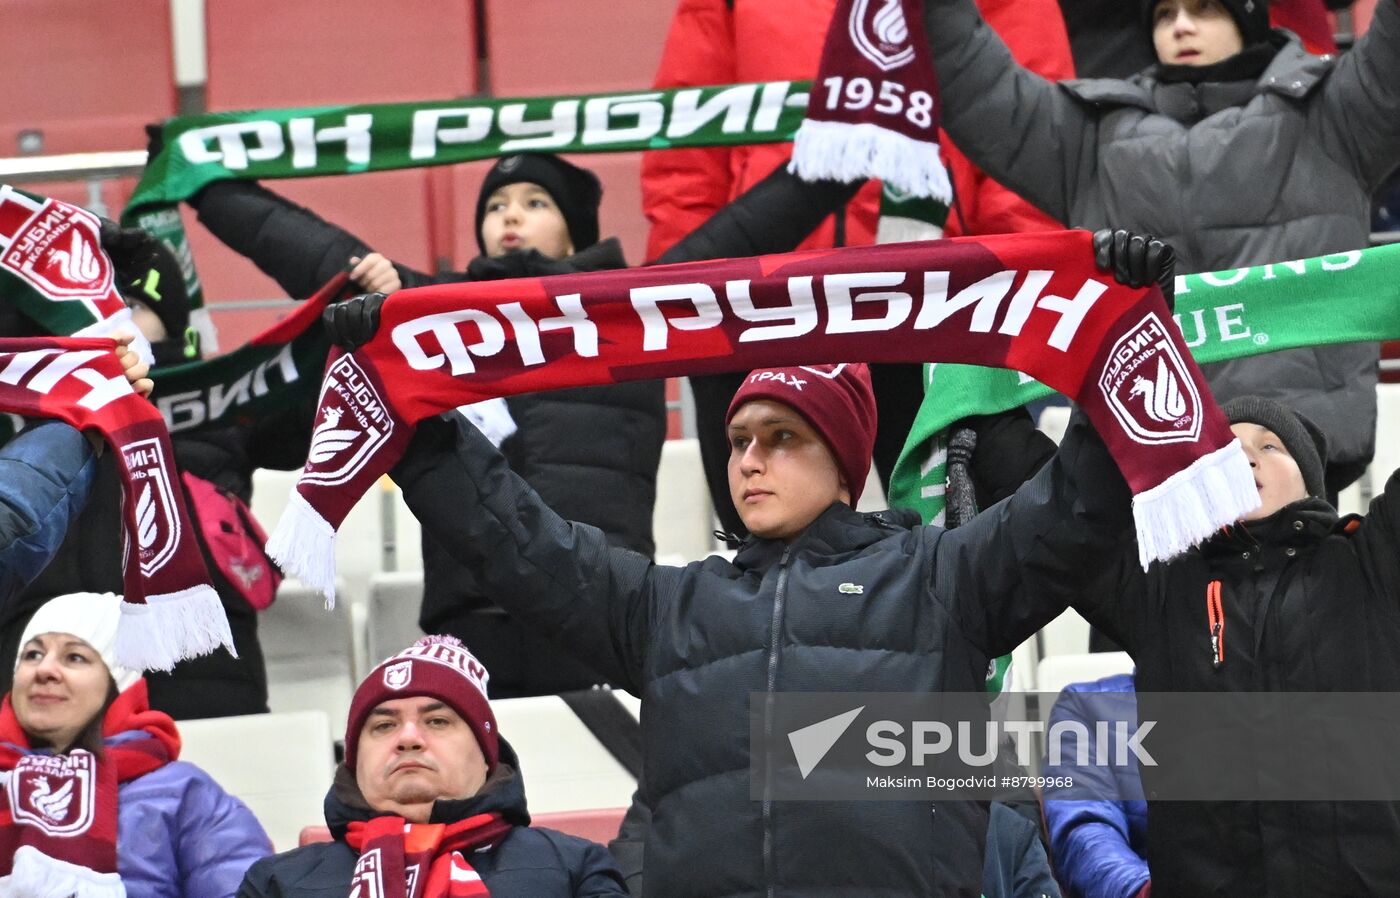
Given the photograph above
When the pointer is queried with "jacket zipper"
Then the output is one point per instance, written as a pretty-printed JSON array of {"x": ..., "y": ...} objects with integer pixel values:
[
  {"x": 779, "y": 596},
  {"x": 1215, "y": 614}
]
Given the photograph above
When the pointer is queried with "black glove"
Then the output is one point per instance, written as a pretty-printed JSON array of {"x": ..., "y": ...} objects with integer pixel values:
[
  {"x": 1137, "y": 261},
  {"x": 529, "y": 263},
  {"x": 155, "y": 140},
  {"x": 352, "y": 323}
]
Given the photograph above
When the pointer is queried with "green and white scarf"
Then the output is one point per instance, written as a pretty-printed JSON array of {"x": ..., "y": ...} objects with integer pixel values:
[{"x": 1341, "y": 298}]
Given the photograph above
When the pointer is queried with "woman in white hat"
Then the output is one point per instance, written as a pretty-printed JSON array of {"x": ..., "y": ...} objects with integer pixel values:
[{"x": 95, "y": 801}]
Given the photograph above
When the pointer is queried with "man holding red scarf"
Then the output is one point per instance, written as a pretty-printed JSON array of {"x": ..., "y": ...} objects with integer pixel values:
[{"x": 429, "y": 802}]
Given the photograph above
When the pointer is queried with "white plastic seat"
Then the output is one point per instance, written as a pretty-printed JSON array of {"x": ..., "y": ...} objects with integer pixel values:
[
  {"x": 279, "y": 765},
  {"x": 394, "y": 602},
  {"x": 309, "y": 652},
  {"x": 565, "y": 768},
  {"x": 683, "y": 518}
]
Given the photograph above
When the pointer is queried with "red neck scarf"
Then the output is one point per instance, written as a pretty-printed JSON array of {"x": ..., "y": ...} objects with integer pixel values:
[
  {"x": 873, "y": 112},
  {"x": 399, "y": 859},
  {"x": 1032, "y": 302},
  {"x": 58, "y": 813},
  {"x": 170, "y": 612}
]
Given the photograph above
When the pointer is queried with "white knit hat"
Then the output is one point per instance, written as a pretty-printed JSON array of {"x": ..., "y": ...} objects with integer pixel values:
[{"x": 90, "y": 616}]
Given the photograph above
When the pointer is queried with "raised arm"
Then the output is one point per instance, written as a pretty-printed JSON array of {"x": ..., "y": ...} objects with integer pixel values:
[
  {"x": 294, "y": 246},
  {"x": 1020, "y": 129},
  {"x": 682, "y": 188},
  {"x": 1013, "y": 568},
  {"x": 559, "y": 577},
  {"x": 1358, "y": 113}
]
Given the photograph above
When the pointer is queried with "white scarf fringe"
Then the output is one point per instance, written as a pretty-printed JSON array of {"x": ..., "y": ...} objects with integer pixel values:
[
  {"x": 303, "y": 545},
  {"x": 1194, "y": 503},
  {"x": 34, "y": 874},
  {"x": 171, "y": 627},
  {"x": 839, "y": 151}
]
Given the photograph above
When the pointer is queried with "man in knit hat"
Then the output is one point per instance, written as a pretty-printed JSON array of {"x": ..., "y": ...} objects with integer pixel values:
[{"x": 429, "y": 803}]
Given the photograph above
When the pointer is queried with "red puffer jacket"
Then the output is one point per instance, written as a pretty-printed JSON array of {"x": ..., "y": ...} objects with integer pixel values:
[{"x": 732, "y": 41}]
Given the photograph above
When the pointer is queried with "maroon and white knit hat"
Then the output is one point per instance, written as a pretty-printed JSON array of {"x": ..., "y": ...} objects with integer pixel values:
[
  {"x": 436, "y": 666},
  {"x": 837, "y": 400}
]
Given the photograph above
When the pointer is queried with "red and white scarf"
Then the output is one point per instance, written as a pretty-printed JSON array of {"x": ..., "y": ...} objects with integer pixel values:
[
  {"x": 53, "y": 269},
  {"x": 874, "y": 108},
  {"x": 1032, "y": 302},
  {"x": 58, "y": 813},
  {"x": 169, "y": 609},
  {"x": 399, "y": 859}
]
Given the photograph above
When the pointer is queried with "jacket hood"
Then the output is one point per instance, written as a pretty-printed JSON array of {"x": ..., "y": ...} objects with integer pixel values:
[
  {"x": 503, "y": 793},
  {"x": 838, "y": 529},
  {"x": 1294, "y": 72}
]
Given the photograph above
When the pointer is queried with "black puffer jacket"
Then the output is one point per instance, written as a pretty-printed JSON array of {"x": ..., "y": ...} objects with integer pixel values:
[
  {"x": 696, "y": 641},
  {"x": 1311, "y": 604},
  {"x": 528, "y": 863}
]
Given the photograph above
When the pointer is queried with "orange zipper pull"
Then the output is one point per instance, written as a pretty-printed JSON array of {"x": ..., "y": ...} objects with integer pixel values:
[{"x": 1215, "y": 614}]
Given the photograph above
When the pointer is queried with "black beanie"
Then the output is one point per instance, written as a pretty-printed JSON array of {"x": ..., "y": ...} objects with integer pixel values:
[
  {"x": 576, "y": 191},
  {"x": 1251, "y": 17},
  {"x": 153, "y": 277},
  {"x": 1301, "y": 437}
]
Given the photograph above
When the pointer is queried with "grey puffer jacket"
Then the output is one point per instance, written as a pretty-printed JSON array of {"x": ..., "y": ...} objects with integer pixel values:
[
  {"x": 1230, "y": 173},
  {"x": 696, "y": 641}
]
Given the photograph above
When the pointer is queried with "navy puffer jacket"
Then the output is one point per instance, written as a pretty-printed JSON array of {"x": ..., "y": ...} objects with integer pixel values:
[{"x": 696, "y": 641}]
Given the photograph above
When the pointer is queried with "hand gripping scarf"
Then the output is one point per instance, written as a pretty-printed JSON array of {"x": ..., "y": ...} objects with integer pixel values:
[
  {"x": 58, "y": 813},
  {"x": 873, "y": 109},
  {"x": 169, "y": 609},
  {"x": 421, "y": 860},
  {"x": 1032, "y": 302}
]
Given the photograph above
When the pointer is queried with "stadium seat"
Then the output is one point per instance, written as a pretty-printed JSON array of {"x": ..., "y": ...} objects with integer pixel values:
[
  {"x": 84, "y": 76},
  {"x": 279, "y": 765},
  {"x": 394, "y": 601},
  {"x": 1057, "y": 672},
  {"x": 1387, "y": 458},
  {"x": 683, "y": 519},
  {"x": 309, "y": 652},
  {"x": 599, "y": 826},
  {"x": 545, "y": 47},
  {"x": 300, "y": 53},
  {"x": 566, "y": 768}
]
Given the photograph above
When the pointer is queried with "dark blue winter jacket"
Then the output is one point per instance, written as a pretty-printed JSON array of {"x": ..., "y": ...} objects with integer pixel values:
[
  {"x": 1099, "y": 845},
  {"x": 46, "y": 474}
]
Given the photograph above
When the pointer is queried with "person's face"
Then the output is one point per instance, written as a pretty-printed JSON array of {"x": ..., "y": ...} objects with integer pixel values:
[
  {"x": 152, "y": 328},
  {"x": 413, "y": 751},
  {"x": 60, "y": 685},
  {"x": 1194, "y": 32},
  {"x": 524, "y": 216},
  {"x": 1276, "y": 474},
  {"x": 782, "y": 474}
]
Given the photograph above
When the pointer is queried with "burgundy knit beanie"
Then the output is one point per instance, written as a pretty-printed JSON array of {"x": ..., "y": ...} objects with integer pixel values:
[
  {"x": 837, "y": 400},
  {"x": 435, "y": 666}
]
